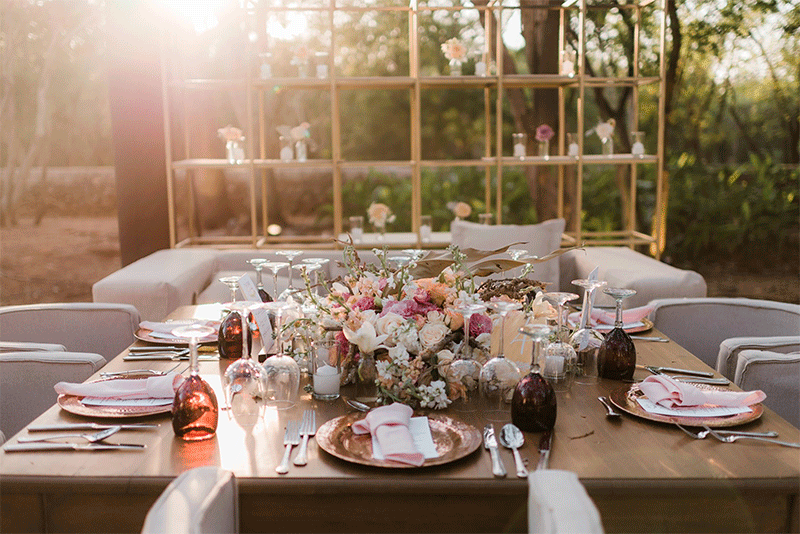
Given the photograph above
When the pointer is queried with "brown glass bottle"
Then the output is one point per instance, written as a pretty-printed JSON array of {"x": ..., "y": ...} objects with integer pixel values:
[
  {"x": 617, "y": 357},
  {"x": 533, "y": 404}
]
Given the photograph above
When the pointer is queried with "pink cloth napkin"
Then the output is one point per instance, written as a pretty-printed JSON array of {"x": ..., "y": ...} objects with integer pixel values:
[
  {"x": 602, "y": 317},
  {"x": 668, "y": 392},
  {"x": 154, "y": 387},
  {"x": 389, "y": 427}
]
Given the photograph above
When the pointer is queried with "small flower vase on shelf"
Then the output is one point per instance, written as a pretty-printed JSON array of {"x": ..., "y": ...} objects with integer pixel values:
[
  {"x": 544, "y": 149},
  {"x": 455, "y": 67},
  {"x": 301, "y": 150},
  {"x": 637, "y": 149},
  {"x": 380, "y": 229},
  {"x": 235, "y": 150},
  {"x": 287, "y": 153},
  {"x": 366, "y": 378}
]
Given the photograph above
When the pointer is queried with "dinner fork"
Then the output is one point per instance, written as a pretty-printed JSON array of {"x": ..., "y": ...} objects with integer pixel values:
[
  {"x": 736, "y": 437},
  {"x": 703, "y": 433},
  {"x": 91, "y": 438},
  {"x": 290, "y": 439},
  {"x": 307, "y": 429}
]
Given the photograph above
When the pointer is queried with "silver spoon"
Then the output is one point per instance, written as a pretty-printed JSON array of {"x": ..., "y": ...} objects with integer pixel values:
[
  {"x": 91, "y": 438},
  {"x": 609, "y": 409},
  {"x": 360, "y": 406},
  {"x": 511, "y": 437}
]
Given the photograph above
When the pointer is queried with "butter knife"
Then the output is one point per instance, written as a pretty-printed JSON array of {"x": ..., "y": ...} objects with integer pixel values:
[
  {"x": 33, "y": 447},
  {"x": 168, "y": 357},
  {"x": 544, "y": 450},
  {"x": 657, "y": 370},
  {"x": 490, "y": 442},
  {"x": 86, "y": 426}
]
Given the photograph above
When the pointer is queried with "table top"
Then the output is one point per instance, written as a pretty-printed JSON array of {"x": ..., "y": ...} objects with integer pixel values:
[{"x": 625, "y": 453}]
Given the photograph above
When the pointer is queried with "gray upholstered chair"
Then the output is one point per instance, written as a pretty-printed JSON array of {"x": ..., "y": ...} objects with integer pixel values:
[
  {"x": 26, "y": 346},
  {"x": 777, "y": 375},
  {"x": 730, "y": 349},
  {"x": 558, "y": 503},
  {"x": 27, "y": 380},
  {"x": 700, "y": 325},
  {"x": 105, "y": 329},
  {"x": 201, "y": 500}
]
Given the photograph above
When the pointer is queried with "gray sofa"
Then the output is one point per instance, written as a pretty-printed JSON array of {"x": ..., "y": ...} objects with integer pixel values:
[{"x": 167, "y": 279}]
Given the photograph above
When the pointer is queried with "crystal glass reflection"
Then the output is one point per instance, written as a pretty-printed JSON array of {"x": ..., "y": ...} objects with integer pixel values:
[
  {"x": 195, "y": 412},
  {"x": 465, "y": 368},
  {"x": 617, "y": 357},
  {"x": 559, "y": 357},
  {"x": 533, "y": 404},
  {"x": 499, "y": 375},
  {"x": 290, "y": 255},
  {"x": 241, "y": 382},
  {"x": 587, "y": 340}
]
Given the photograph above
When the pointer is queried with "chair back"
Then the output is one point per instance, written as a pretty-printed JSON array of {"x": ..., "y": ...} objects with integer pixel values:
[
  {"x": 105, "y": 329},
  {"x": 27, "y": 380},
  {"x": 700, "y": 324},
  {"x": 558, "y": 503},
  {"x": 777, "y": 375},
  {"x": 201, "y": 500}
]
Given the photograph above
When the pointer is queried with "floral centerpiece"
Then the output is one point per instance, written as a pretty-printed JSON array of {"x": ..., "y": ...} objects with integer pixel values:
[
  {"x": 405, "y": 319},
  {"x": 456, "y": 53},
  {"x": 380, "y": 215},
  {"x": 234, "y": 143}
]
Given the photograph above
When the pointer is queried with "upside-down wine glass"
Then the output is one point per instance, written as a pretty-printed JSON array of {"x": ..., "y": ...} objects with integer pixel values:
[
  {"x": 617, "y": 357},
  {"x": 258, "y": 266},
  {"x": 195, "y": 411},
  {"x": 281, "y": 377},
  {"x": 233, "y": 284},
  {"x": 499, "y": 375},
  {"x": 319, "y": 261},
  {"x": 274, "y": 267},
  {"x": 232, "y": 330},
  {"x": 290, "y": 255},
  {"x": 464, "y": 367},
  {"x": 241, "y": 381},
  {"x": 587, "y": 340},
  {"x": 533, "y": 405},
  {"x": 308, "y": 268},
  {"x": 559, "y": 357}
]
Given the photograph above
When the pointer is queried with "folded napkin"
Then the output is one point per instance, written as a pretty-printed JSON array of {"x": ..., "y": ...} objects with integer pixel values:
[
  {"x": 169, "y": 326},
  {"x": 155, "y": 387},
  {"x": 603, "y": 317},
  {"x": 668, "y": 392},
  {"x": 389, "y": 427}
]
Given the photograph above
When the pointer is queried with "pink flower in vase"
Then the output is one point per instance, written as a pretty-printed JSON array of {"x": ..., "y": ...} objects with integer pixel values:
[{"x": 544, "y": 133}]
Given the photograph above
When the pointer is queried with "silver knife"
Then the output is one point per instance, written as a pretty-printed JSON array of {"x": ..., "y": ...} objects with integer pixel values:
[
  {"x": 168, "y": 357},
  {"x": 656, "y": 370},
  {"x": 158, "y": 348},
  {"x": 490, "y": 442},
  {"x": 33, "y": 447},
  {"x": 87, "y": 426},
  {"x": 544, "y": 449}
]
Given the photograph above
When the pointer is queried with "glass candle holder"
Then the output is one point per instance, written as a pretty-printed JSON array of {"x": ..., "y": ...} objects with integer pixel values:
[
  {"x": 544, "y": 149},
  {"x": 234, "y": 148},
  {"x": 520, "y": 141},
  {"x": 326, "y": 367},
  {"x": 637, "y": 148},
  {"x": 357, "y": 228},
  {"x": 572, "y": 145},
  {"x": 287, "y": 152},
  {"x": 425, "y": 228},
  {"x": 322, "y": 64}
]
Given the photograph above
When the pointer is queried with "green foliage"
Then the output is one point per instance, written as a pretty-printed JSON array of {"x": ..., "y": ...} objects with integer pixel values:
[{"x": 747, "y": 215}]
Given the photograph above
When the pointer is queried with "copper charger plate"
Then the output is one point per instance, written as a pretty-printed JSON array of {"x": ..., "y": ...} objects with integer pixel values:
[
  {"x": 73, "y": 404},
  {"x": 625, "y": 399},
  {"x": 143, "y": 334},
  {"x": 453, "y": 439}
]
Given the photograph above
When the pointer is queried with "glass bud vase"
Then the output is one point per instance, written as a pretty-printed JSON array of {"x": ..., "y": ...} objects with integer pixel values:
[
  {"x": 455, "y": 67},
  {"x": 366, "y": 378},
  {"x": 234, "y": 149},
  {"x": 301, "y": 150},
  {"x": 544, "y": 149}
]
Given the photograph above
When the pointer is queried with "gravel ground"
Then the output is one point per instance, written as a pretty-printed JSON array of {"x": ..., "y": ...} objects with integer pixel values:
[{"x": 59, "y": 261}]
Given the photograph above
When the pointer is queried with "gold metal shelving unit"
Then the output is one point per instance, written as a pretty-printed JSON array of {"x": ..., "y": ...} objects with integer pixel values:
[{"x": 414, "y": 84}]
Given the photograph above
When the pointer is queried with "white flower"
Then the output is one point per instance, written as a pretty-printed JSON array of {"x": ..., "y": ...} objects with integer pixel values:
[
  {"x": 409, "y": 338},
  {"x": 379, "y": 214},
  {"x": 390, "y": 324},
  {"x": 435, "y": 317},
  {"x": 365, "y": 338},
  {"x": 432, "y": 333},
  {"x": 453, "y": 49},
  {"x": 435, "y": 395},
  {"x": 484, "y": 340},
  {"x": 445, "y": 355},
  {"x": 230, "y": 133}
]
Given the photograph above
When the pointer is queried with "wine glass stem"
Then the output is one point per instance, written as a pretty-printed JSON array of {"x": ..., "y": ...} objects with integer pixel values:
[
  {"x": 502, "y": 335},
  {"x": 193, "y": 363},
  {"x": 291, "y": 275},
  {"x": 259, "y": 283},
  {"x": 275, "y": 283},
  {"x": 233, "y": 294},
  {"x": 618, "y": 320},
  {"x": 466, "y": 336},
  {"x": 245, "y": 332},
  {"x": 560, "y": 334},
  {"x": 278, "y": 327}
]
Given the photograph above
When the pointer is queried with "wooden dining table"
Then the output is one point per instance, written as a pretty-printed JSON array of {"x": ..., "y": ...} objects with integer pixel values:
[{"x": 643, "y": 475}]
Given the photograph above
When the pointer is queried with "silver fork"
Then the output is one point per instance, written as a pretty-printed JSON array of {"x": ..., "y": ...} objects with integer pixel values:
[
  {"x": 307, "y": 429},
  {"x": 290, "y": 439},
  {"x": 736, "y": 437},
  {"x": 703, "y": 433},
  {"x": 91, "y": 438}
]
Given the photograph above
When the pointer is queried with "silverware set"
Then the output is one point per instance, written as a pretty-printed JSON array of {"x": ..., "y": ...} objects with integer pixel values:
[
  {"x": 730, "y": 436},
  {"x": 294, "y": 430},
  {"x": 95, "y": 441}
]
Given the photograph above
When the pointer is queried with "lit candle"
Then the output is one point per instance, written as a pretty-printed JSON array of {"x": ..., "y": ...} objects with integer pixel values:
[{"x": 326, "y": 380}]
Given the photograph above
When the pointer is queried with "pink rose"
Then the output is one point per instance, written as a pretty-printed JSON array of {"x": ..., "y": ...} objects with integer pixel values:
[
  {"x": 479, "y": 324},
  {"x": 544, "y": 133},
  {"x": 365, "y": 303}
]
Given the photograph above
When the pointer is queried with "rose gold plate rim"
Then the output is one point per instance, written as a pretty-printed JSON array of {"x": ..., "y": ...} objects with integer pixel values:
[
  {"x": 72, "y": 404},
  {"x": 454, "y": 440},
  {"x": 624, "y": 399},
  {"x": 143, "y": 334}
]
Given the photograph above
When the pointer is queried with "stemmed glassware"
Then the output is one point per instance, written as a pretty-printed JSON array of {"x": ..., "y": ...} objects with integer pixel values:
[
  {"x": 559, "y": 357},
  {"x": 464, "y": 367},
  {"x": 290, "y": 255},
  {"x": 195, "y": 412},
  {"x": 258, "y": 266},
  {"x": 233, "y": 284},
  {"x": 533, "y": 404},
  {"x": 281, "y": 376},
  {"x": 274, "y": 267},
  {"x": 587, "y": 340},
  {"x": 241, "y": 381},
  {"x": 617, "y": 357},
  {"x": 499, "y": 375},
  {"x": 316, "y": 261}
]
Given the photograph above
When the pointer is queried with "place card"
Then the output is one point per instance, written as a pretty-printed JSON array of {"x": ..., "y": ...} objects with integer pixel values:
[
  {"x": 705, "y": 410},
  {"x": 250, "y": 292},
  {"x": 420, "y": 433},
  {"x": 110, "y": 401}
]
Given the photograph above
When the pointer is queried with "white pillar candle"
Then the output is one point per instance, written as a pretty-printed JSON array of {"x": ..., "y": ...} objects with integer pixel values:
[
  {"x": 637, "y": 149},
  {"x": 519, "y": 150},
  {"x": 326, "y": 380},
  {"x": 573, "y": 149}
]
